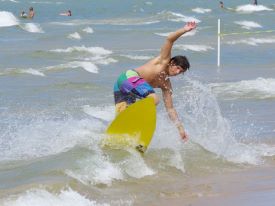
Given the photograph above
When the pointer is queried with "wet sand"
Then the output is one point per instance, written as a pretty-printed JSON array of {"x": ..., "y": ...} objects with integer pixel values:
[{"x": 250, "y": 187}]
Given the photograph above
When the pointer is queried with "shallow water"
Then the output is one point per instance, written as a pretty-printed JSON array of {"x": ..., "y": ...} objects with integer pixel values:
[{"x": 56, "y": 80}]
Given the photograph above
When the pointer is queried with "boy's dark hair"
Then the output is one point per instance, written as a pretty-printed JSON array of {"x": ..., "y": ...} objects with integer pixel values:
[{"x": 181, "y": 61}]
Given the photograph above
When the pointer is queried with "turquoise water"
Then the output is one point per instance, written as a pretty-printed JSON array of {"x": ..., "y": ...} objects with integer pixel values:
[{"x": 56, "y": 80}]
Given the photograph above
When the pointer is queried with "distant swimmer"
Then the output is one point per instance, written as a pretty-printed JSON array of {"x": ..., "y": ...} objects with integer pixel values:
[
  {"x": 225, "y": 8},
  {"x": 255, "y": 2},
  {"x": 221, "y": 5},
  {"x": 31, "y": 13},
  {"x": 68, "y": 13},
  {"x": 138, "y": 83},
  {"x": 23, "y": 14}
]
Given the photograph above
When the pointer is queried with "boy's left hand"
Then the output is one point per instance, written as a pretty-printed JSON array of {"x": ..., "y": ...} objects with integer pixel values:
[{"x": 190, "y": 26}]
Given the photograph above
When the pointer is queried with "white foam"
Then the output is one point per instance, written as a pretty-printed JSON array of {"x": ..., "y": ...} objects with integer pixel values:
[
  {"x": 149, "y": 3},
  {"x": 192, "y": 47},
  {"x": 161, "y": 134},
  {"x": 32, "y": 27},
  {"x": 264, "y": 149},
  {"x": 248, "y": 24},
  {"x": 175, "y": 160},
  {"x": 101, "y": 60},
  {"x": 88, "y": 30},
  {"x": 259, "y": 88},
  {"x": 201, "y": 10},
  {"x": 131, "y": 22},
  {"x": 249, "y": 8},
  {"x": 91, "y": 50},
  {"x": 93, "y": 56},
  {"x": 177, "y": 17},
  {"x": 46, "y": 2},
  {"x": 251, "y": 153},
  {"x": 74, "y": 35},
  {"x": 135, "y": 166},
  {"x": 96, "y": 169},
  {"x": 65, "y": 23},
  {"x": 199, "y": 110},
  {"x": 207, "y": 127},
  {"x": 99, "y": 55},
  {"x": 253, "y": 41},
  {"x": 33, "y": 72},
  {"x": 12, "y": 71},
  {"x": 136, "y": 57},
  {"x": 42, "y": 137},
  {"x": 166, "y": 136},
  {"x": 14, "y": 1},
  {"x": 43, "y": 197},
  {"x": 88, "y": 66},
  {"x": 126, "y": 21},
  {"x": 106, "y": 113},
  {"x": 8, "y": 19},
  {"x": 106, "y": 61}
]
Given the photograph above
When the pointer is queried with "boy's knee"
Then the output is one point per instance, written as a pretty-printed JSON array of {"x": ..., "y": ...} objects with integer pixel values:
[
  {"x": 119, "y": 107},
  {"x": 155, "y": 97}
]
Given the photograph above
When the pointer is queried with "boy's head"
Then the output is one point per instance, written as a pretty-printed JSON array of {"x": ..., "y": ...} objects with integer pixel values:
[{"x": 177, "y": 65}]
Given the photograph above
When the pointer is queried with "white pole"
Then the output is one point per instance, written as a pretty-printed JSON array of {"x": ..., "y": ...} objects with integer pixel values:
[{"x": 219, "y": 43}]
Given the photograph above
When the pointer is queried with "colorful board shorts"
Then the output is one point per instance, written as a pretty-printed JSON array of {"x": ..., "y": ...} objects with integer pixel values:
[{"x": 130, "y": 86}]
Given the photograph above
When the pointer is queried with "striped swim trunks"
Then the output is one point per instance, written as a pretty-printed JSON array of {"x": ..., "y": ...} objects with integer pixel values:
[{"x": 131, "y": 86}]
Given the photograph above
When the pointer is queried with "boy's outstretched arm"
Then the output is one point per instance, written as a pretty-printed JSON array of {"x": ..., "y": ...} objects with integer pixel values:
[
  {"x": 173, "y": 115},
  {"x": 165, "y": 53}
]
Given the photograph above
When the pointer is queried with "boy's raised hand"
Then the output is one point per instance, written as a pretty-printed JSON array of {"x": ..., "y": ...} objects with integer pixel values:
[{"x": 190, "y": 26}]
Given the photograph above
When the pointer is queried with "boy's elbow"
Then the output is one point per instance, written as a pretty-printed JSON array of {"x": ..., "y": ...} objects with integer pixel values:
[{"x": 170, "y": 39}]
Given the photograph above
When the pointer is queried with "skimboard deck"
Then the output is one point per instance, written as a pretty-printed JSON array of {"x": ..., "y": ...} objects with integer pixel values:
[{"x": 134, "y": 126}]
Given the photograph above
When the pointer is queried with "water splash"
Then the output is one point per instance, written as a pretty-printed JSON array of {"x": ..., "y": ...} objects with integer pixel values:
[
  {"x": 207, "y": 127},
  {"x": 7, "y": 19},
  {"x": 43, "y": 197}
]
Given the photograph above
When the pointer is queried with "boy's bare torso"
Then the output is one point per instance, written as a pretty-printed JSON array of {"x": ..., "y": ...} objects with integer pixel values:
[{"x": 154, "y": 73}]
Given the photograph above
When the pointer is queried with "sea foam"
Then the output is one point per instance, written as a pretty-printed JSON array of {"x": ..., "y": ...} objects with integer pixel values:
[
  {"x": 75, "y": 35},
  {"x": 43, "y": 136},
  {"x": 88, "y": 30},
  {"x": 16, "y": 71},
  {"x": 32, "y": 27},
  {"x": 92, "y": 50},
  {"x": 248, "y": 24},
  {"x": 88, "y": 66},
  {"x": 106, "y": 113},
  {"x": 207, "y": 127},
  {"x": 33, "y": 72},
  {"x": 8, "y": 19},
  {"x": 253, "y": 41},
  {"x": 201, "y": 10},
  {"x": 43, "y": 197},
  {"x": 99, "y": 169},
  {"x": 177, "y": 17},
  {"x": 249, "y": 8},
  {"x": 136, "y": 57},
  {"x": 193, "y": 47},
  {"x": 259, "y": 88}
]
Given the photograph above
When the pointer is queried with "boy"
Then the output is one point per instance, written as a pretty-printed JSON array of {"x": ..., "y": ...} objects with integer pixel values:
[
  {"x": 139, "y": 83},
  {"x": 31, "y": 13}
]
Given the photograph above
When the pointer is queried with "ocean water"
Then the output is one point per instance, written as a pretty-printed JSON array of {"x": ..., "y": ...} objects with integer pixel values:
[{"x": 56, "y": 80}]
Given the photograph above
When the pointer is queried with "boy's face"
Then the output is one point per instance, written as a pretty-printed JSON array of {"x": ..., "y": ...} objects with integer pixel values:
[{"x": 174, "y": 70}]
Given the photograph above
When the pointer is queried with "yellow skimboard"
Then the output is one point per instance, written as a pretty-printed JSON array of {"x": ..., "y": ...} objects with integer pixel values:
[{"x": 134, "y": 126}]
